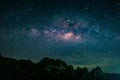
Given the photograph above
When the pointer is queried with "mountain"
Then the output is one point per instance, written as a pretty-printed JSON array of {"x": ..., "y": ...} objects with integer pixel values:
[
  {"x": 112, "y": 76},
  {"x": 49, "y": 69}
]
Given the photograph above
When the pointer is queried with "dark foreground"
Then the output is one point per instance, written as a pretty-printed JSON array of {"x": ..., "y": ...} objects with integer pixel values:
[{"x": 48, "y": 69}]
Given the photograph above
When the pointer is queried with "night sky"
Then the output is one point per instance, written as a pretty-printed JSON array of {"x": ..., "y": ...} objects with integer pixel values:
[{"x": 79, "y": 32}]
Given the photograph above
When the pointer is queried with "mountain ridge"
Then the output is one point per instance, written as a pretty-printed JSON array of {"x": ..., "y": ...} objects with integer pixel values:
[{"x": 49, "y": 69}]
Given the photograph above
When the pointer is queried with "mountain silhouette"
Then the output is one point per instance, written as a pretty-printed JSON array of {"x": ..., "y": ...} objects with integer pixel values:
[{"x": 49, "y": 69}]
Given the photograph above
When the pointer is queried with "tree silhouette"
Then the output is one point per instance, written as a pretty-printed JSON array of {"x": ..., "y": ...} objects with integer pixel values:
[{"x": 97, "y": 74}]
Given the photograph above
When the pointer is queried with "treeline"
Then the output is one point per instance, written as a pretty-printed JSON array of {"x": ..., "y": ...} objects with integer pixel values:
[{"x": 48, "y": 69}]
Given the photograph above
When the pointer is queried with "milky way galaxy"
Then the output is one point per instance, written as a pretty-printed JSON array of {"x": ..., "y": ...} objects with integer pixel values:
[{"x": 79, "y": 32}]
